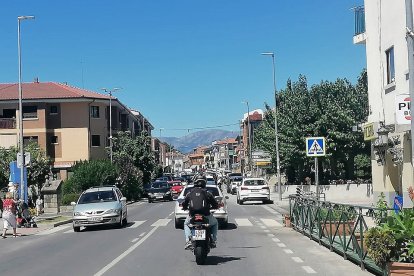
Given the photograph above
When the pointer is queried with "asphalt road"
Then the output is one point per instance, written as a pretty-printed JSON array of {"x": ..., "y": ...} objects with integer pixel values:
[{"x": 255, "y": 243}]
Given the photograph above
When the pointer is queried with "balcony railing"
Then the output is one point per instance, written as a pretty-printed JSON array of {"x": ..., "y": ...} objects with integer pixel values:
[
  {"x": 7, "y": 123},
  {"x": 359, "y": 20}
]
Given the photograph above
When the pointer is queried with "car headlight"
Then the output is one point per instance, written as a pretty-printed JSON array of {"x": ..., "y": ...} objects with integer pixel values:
[
  {"x": 111, "y": 211},
  {"x": 76, "y": 214}
]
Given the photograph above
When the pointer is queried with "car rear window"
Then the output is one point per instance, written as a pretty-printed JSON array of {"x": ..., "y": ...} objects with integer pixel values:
[
  {"x": 237, "y": 179},
  {"x": 212, "y": 190},
  {"x": 98, "y": 196},
  {"x": 158, "y": 185},
  {"x": 256, "y": 182}
]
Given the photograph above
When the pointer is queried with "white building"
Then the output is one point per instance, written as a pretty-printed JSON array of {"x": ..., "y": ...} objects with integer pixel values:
[{"x": 381, "y": 27}]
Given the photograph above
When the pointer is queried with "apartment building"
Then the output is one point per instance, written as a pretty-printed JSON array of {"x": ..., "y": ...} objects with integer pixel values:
[
  {"x": 225, "y": 153},
  {"x": 69, "y": 123},
  {"x": 248, "y": 124},
  {"x": 381, "y": 27},
  {"x": 160, "y": 151}
]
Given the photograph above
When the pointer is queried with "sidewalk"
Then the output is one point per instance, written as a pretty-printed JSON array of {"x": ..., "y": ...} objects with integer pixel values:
[{"x": 280, "y": 206}]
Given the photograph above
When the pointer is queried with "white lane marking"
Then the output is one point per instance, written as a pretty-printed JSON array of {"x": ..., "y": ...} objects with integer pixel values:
[
  {"x": 271, "y": 222},
  {"x": 270, "y": 209},
  {"x": 135, "y": 240},
  {"x": 276, "y": 240},
  {"x": 53, "y": 230},
  {"x": 123, "y": 255},
  {"x": 297, "y": 259},
  {"x": 263, "y": 227},
  {"x": 281, "y": 245},
  {"x": 266, "y": 231},
  {"x": 309, "y": 269},
  {"x": 171, "y": 213},
  {"x": 243, "y": 222},
  {"x": 142, "y": 234},
  {"x": 161, "y": 222},
  {"x": 270, "y": 235},
  {"x": 288, "y": 251},
  {"x": 137, "y": 223}
]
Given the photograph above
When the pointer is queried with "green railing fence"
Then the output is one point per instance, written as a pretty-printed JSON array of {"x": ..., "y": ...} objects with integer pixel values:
[{"x": 340, "y": 227}]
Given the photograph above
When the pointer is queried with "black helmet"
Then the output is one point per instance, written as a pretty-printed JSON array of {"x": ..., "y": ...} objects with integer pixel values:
[{"x": 200, "y": 181}]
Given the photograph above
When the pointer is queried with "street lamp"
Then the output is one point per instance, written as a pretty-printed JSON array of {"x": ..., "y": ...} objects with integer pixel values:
[
  {"x": 249, "y": 142},
  {"x": 110, "y": 91},
  {"x": 19, "y": 55},
  {"x": 279, "y": 179}
]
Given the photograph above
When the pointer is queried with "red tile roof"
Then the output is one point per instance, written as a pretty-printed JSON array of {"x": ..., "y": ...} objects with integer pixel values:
[
  {"x": 227, "y": 141},
  {"x": 45, "y": 90}
]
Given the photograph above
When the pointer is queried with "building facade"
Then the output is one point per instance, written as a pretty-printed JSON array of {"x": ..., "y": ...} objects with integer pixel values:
[
  {"x": 381, "y": 27},
  {"x": 69, "y": 123}
]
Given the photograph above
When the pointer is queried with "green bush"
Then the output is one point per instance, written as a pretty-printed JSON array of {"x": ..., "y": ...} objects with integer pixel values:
[{"x": 68, "y": 198}]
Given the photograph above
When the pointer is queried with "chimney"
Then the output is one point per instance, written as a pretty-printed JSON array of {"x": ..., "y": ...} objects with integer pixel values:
[{"x": 36, "y": 80}]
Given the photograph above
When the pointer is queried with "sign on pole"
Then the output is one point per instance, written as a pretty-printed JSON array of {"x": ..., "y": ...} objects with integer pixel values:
[{"x": 315, "y": 146}]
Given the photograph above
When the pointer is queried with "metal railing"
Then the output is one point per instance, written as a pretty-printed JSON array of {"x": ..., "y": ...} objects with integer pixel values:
[
  {"x": 7, "y": 123},
  {"x": 340, "y": 227},
  {"x": 359, "y": 20}
]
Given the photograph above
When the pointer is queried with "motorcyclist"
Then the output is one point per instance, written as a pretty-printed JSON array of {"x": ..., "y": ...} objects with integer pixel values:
[{"x": 200, "y": 185}]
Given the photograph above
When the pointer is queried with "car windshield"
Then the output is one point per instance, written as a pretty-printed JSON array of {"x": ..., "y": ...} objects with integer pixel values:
[
  {"x": 158, "y": 185},
  {"x": 98, "y": 196},
  {"x": 214, "y": 191},
  {"x": 237, "y": 179},
  {"x": 254, "y": 182}
]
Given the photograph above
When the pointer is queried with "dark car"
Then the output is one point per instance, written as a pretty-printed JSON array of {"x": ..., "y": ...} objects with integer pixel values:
[
  {"x": 160, "y": 190},
  {"x": 146, "y": 188}
]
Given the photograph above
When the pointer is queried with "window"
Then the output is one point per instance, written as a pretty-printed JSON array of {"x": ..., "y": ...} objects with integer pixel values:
[
  {"x": 54, "y": 140},
  {"x": 30, "y": 139},
  {"x": 53, "y": 109},
  {"x": 95, "y": 111},
  {"x": 96, "y": 140},
  {"x": 29, "y": 112},
  {"x": 9, "y": 113},
  {"x": 390, "y": 65}
]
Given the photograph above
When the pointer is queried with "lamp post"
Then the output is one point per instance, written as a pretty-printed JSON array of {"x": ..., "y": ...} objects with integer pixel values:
[
  {"x": 19, "y": 55},
  {"x": 249, "y": 142},
  {"x": 279, "y": 178},
  {"x": 110, "y": 91}
]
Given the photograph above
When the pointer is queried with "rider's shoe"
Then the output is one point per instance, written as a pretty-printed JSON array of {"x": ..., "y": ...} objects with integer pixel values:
[
  {"x": 188, "y": 245},
  {"x": 213, "y": 244}
]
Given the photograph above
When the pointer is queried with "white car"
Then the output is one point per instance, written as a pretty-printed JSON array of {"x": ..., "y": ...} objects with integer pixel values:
[
  {"x": 220, "y": 214},
  {"x": 210, "y": 180},
  {"x": 234, "y": 183},
  {"x": 253, "y": 189}
]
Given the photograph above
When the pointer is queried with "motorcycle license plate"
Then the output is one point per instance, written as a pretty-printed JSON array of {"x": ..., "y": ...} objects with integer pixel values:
[{"x": 199, "y": 235}]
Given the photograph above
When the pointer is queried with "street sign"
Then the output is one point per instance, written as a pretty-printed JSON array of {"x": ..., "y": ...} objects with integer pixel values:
[
  {"x": 315, "y": 146},
  {"x": 26, "y": 159}
]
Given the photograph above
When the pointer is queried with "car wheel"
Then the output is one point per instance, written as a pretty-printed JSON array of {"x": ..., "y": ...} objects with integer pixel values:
[
  {"x": 177, "y": 224},
  {"x": 240, "y": 202},
  {"x": 76, "y": 229},
  {"x": 149, "y": 200},
  {"x": 125, "y": 221}
]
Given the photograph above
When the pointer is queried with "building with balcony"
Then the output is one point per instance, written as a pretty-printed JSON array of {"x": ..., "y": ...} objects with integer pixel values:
[
  {"x": 225, "y": 153},
  {"x": 69, "y": 123},
  {"x": 381, "y": 27}
]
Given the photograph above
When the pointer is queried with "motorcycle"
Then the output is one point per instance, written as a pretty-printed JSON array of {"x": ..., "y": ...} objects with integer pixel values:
[{"x": 200, "y": 237}]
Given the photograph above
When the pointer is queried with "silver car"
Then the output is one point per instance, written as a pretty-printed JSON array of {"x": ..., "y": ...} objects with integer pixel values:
[{"x": 99, "y": 206}]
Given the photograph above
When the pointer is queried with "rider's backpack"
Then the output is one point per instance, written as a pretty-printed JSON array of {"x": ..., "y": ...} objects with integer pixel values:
[{"x": 198, "y": 202}]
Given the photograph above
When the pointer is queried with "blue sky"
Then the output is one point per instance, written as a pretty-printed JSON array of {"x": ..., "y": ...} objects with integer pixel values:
[{"x": 183, "y": 63}]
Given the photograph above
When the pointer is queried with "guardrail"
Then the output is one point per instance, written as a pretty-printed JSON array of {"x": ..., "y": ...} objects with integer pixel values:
[{"x": 340, "y": 227}]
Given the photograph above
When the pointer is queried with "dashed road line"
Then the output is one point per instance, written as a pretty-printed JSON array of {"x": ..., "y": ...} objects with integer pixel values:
[
  {"x": 309, "y": 270},
  {"x": 161, "y": 222},
  {"x": 288, "y": 251},
  {"x": 135, "y": 240},
  {"x": 142, "y": 234},
  {"x": 297, "y": 260},
  {"x": 137, "y": 223},
  {"x": 276, "y": 240},
  {"x": 263, "y": 227},
  {"x": 266, "y": 231},
  {"x": 271, "y": 223},
  {"x": 270, "y": 235},
  {"x": 243, "y": 222},
  {"x": 281, "y": 244}
]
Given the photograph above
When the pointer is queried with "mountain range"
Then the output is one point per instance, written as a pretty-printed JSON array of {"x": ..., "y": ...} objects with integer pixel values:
[{"x": 188, "y": 142}]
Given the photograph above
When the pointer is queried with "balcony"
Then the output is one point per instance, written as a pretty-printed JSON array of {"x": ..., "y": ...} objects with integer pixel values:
[
  {"x": 7, "y": 123},
  {"x": 359, "y": 33}
]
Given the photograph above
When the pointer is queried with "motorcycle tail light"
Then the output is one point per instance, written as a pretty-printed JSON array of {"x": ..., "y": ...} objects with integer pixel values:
[
  {"x": 221, "y": 205},
  {"x": 198, "y": 217}
]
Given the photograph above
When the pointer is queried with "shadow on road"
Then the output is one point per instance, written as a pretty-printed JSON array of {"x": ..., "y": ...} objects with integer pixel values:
[
  {"x": 230, "y": 226},
  {"x": 216, "y": 260}
]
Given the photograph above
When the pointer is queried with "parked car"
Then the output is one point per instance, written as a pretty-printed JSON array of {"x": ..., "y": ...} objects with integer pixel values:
[
  {"x": 253, "y": 189},
  {"x": 160, "y": 190},
  {"x": 220, "y": 214},
  {"x": 234, "y": 183},
  {"x": 98, "y": 206}
]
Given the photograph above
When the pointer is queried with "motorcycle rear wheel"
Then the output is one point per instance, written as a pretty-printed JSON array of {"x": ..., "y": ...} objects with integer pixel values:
[{"x": 200, "y": 255}]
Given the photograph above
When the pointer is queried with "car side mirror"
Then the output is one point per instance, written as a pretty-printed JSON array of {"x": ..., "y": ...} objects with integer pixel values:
[
  {"x": 73, "y": 203},
  {"x": 226, "y": 197},
  {"x": 123, "y": 198}
]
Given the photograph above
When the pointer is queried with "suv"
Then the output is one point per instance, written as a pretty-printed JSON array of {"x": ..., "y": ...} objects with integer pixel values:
[
  {"x": 253, "y": 189},
  {"x": 99, "y": 206}
]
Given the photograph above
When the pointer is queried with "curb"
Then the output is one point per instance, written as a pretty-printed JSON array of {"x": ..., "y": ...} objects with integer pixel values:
[{"x": 62, "y": 222}]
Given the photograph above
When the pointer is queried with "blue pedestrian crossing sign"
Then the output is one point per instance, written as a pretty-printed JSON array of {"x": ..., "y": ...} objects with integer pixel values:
[{"x": 315, "y": 146}]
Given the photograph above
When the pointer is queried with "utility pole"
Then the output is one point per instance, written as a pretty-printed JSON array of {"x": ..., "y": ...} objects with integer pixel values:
[{"x": 110, "y": 91}]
